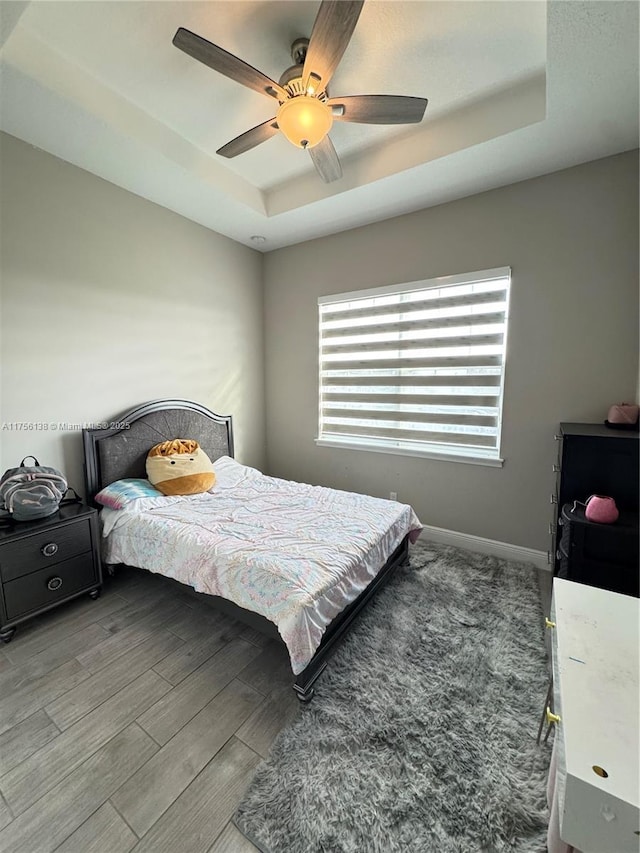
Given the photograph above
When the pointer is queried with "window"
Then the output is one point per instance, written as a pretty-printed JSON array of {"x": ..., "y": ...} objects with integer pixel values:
[{"x": 416, "y": 368}]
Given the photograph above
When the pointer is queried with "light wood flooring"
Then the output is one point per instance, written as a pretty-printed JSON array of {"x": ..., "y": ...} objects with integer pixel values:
[{"x": 135, "y": 723}]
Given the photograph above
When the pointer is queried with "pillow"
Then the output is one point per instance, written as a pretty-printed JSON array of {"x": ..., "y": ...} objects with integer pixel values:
[
  {"x": 117, "y": 495},
  {"x": 180, "y": 467}
]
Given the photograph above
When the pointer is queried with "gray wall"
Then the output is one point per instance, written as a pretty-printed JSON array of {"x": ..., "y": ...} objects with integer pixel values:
[
  {"x": 109, "y": 301},
  {"x": 571, "y": 239}
]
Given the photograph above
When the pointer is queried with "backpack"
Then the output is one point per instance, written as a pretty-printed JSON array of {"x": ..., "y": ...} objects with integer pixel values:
[{"x": 31, "y": 492}]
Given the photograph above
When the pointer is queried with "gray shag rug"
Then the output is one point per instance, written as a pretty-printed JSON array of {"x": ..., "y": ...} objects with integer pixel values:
[{"x": 422, "y": 733}]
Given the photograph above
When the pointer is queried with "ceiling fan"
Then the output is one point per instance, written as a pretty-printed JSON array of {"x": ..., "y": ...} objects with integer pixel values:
[{"x": 306, "y": 112}]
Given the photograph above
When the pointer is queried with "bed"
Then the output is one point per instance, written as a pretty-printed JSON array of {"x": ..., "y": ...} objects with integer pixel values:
[{"x": 272, "y": 553}]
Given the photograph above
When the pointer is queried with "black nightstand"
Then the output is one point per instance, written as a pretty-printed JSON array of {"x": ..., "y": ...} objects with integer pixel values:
[{"x": 45, "y": 563}]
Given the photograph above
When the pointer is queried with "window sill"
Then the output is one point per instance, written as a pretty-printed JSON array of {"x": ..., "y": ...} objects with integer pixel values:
[{"x": 443, "y": 456}]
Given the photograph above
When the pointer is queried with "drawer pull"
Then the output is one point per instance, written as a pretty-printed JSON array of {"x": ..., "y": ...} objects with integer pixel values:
[
  {"x": 54, "y": 583},
  {"x": 551, "y": 717},
  {"x": 50, "y": 549},
  {"x": 553, "y": 499},
  {"x": 555, "y": 468},
  {"x": 549, "y": 623}
]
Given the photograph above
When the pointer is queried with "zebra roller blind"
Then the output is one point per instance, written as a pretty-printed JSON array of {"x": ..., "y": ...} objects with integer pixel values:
[{"x": 416, "y": 367}]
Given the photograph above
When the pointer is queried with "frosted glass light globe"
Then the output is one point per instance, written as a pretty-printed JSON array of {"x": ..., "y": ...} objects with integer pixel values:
[{"x": 304, "y": 120}]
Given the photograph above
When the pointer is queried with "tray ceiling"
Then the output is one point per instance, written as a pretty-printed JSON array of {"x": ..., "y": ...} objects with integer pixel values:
[{"x": 515, "y": 89}]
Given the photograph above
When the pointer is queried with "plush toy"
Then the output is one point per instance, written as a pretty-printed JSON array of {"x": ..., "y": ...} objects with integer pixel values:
[{"x": 180, "y": 467}]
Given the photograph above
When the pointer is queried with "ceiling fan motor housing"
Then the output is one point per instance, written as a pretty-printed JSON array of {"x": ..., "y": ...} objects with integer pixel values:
[{"x": 291, "y": 80}]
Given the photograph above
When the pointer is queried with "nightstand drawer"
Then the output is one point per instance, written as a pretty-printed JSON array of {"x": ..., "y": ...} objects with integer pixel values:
[
  {"x": 44, "y": 549},
  {"x": 38, "y": 589}
]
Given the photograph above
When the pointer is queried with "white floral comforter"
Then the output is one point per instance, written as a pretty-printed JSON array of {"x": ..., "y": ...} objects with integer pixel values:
[{"x": 294, "y": 553}]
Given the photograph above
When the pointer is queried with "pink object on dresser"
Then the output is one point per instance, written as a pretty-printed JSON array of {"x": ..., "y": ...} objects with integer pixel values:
[
  {"x": 623, "y": 413},
  {"x": 601, "y": 509}
]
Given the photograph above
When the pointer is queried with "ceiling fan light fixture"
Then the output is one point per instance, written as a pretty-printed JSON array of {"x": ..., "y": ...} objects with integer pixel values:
[
  {"x": 304, "y": 120},
  {"x": 306, "y": 112}
]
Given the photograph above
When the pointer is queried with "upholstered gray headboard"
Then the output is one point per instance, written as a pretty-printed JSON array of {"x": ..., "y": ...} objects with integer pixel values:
[{"x": 120, "y": 449}]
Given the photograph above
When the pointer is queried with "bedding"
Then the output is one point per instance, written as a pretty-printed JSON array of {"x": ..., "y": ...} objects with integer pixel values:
[
  {"x": 294, "y": 553},
  {"x": 118, "y": 494}
]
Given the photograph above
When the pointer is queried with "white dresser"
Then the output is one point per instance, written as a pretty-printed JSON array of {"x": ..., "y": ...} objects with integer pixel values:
[{"x": 596, "y": 690}]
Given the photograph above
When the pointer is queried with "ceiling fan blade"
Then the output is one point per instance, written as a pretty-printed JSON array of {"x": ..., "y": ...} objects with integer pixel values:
[
  {"x": 378, "y": 109},
  {"x": 247, "y": 141},
  {"x": 326, "y": 160},
  {"x": 228, "y": 64},
  {"x": 332, "y": 31}
]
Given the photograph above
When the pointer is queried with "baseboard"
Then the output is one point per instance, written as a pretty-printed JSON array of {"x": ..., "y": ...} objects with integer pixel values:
[{"x": 487, "y": 546}]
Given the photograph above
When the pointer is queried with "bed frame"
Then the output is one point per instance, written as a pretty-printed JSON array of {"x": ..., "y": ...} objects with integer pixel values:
[{"x": 120, "y": 450}]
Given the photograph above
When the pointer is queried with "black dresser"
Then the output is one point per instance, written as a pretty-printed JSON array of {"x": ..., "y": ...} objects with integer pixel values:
[
  {"x": 595, "y": 459},
  {"x": 45, "y": 563}
]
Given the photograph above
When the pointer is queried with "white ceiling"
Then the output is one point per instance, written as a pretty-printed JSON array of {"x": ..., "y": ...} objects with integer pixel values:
[{"x": 516, "y": 89}]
